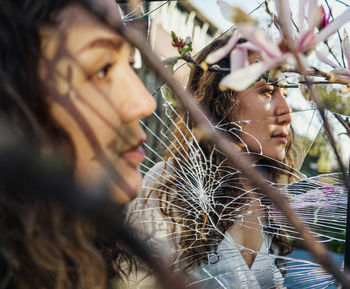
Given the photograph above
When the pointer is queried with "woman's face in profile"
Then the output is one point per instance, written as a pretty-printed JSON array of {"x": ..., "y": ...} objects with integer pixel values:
[
  {"x": 97, "y": 98},
  {"x": 267, "y": 113}
]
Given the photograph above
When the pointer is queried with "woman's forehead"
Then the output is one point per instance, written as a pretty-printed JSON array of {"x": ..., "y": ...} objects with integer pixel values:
[
  {"x": 76, "y": 12},
  {"x": 77, "y": 28}
]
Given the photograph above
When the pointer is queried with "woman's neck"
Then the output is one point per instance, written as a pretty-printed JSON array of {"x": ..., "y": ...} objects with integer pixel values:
[{"x": 247, "y": 228}]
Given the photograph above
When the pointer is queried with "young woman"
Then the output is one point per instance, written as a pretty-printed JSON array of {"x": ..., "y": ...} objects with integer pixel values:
[
  {"x": 201, "y": 211},
  {"x": 67, "y": 88}
]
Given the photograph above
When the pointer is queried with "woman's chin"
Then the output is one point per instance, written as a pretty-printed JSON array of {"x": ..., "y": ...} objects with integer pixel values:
[
  {"x": 278, "y": 156},
  {"x": 128, "y": 188}
]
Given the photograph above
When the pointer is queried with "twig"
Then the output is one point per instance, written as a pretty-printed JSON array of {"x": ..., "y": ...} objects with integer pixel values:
[
  {"x": 318, "y": 82},
  {"x": 213, "y": 68},
  {"x": 343, "y": 123},
  {"x": 332, "y": 53},
  {"x": 317, "y": 72},
  {"x": 341, "y": 2},
  {"x": 313, "y": 72},
  {"x": 340, "y": 40},
  {"x": 273, "y": 16},
  {"x": 302, "y": 82},
  {"x": 317, "y": 249},
  {"x": 331, "y": 139}
]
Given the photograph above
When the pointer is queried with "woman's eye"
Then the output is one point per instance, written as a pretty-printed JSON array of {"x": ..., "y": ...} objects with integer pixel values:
[
  {"x": 268, "y": 92},
  {"x": 102, "y": 73}
]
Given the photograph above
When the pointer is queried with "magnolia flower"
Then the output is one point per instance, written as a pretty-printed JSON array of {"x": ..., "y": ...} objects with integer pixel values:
[
  {"x": 339, "y": 72},
  {"x": 243, "y": 73},
  {"x": 308, "y": 38}
]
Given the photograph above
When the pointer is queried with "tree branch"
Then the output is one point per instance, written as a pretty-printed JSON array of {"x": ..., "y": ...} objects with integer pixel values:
[{"x": 317, "y": 249}]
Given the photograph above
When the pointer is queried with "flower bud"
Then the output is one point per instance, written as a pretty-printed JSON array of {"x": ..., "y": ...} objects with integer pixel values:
[{"x": 324, "y": 18}]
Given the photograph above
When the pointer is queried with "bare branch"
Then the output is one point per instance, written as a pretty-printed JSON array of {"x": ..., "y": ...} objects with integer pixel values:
[
  {"x": 317, "y": 249},
  {"x": 314, "y": 72},
  {"x": 340, "y": 39},
  {"x": 343, "y": 123}
]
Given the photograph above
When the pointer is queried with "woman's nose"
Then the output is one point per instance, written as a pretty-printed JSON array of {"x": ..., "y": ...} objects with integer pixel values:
[
  {"x": 282, "y": 109},
  {"x": 138, "y": 102}
]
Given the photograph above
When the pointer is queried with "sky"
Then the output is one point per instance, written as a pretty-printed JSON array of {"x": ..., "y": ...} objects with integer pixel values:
[{"x": 211, "y": 10}]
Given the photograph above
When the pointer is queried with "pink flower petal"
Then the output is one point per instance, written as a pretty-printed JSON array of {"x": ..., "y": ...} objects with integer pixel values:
[
  {"x": 285, "y": 20},
  {"x": 306, "y": 40},
  {"x": 239, "y": 58},
  {"x": 314, "y": 14},
  {"x": 346, "y": 48},
  {"x": 249, "y": 46},
  {"x": 226, "y": 10},
  {"x": 324, "y": 59},
  {"x": 234, "y": 13},
  {"x": 258, "y": 37},
  {"x": 301, "y": 15},
  {"x": 333, "y": 26},
  {"x": 220, "y": 53},
  {"x": 241, "y": 79}
]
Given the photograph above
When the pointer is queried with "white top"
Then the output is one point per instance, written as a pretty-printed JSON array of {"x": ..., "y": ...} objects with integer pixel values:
[
  {"x": 231, "y": 270},
  {"x": 226, "y": 269}
]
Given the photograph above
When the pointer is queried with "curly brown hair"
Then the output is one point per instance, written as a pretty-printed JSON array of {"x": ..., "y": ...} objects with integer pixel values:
[
  {"x": 46, "y": 244},
  {"x": 196, "y": 237}
]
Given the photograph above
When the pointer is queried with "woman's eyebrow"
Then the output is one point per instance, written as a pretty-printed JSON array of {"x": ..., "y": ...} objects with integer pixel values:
[
  {"x": 262, "y": 84},
  {"x": 112, "y": 43}
]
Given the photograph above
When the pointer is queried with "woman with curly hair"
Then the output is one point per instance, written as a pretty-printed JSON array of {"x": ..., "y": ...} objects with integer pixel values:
[
  {"x": 202, "y": 212},
  {"x": 68, "y": 90}
]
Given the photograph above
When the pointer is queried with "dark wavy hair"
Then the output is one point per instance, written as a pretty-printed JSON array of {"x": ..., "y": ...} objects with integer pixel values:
[
  {"x": 222, "y": 106},
  {"x": 47, "y": 245},
  {"x": 23, "y": 95}
]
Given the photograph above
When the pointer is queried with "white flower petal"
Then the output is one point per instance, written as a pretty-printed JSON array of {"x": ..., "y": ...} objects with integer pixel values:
[
  {"x": 314, "y": 14},
  {"x": 234, "y": 13},
  {"x": 301, "y": 15},
  {"x": 220, "y": 53},
  {"x": 285, "y": 20},
  {"x": 239, "y": 58},
  {"x": 241, "y": 79},
  {"x": 306, "y": 40},
  {"x": 258, "y": 37},
  {"x": 249, "y": 46},
  {"x": 324, "y": 59},
  {"x": 226, "y": 10},
  {"x": 346, "y": 47}
]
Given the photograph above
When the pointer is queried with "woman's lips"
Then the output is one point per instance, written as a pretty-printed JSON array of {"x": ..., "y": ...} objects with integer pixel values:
[
  {"x": 281, "y": 139},
  {"x": 136, "y": 155}
]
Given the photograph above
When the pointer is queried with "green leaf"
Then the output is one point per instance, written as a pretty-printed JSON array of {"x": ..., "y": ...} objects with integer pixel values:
[{"x": 174, "y": 37}]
